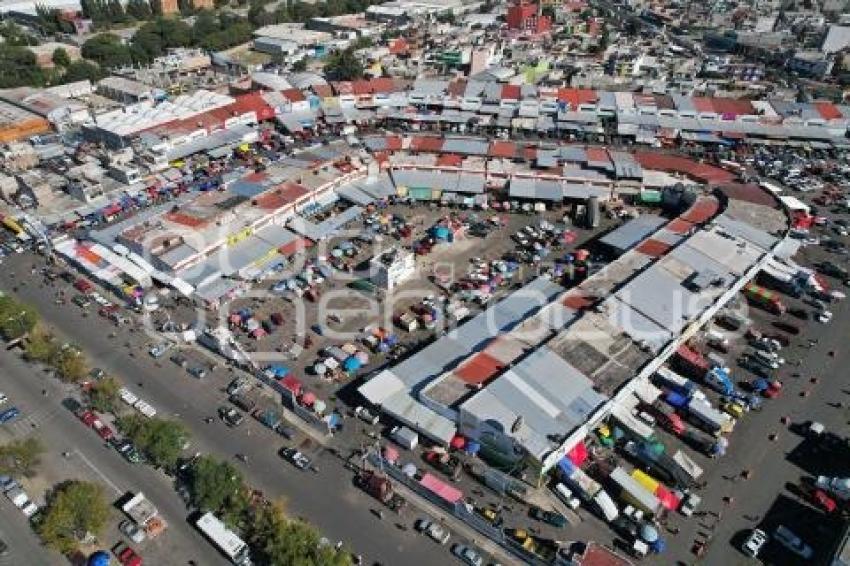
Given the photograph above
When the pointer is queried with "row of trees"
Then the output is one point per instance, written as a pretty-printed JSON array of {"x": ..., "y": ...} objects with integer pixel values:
[
  {"x": 218, "y": 486},
  {"x": 301, "y": 12},
  {"x": 66, "y": 360},
  {"x": 160, "y": 440},
  {"x": 209, "y": 31}
]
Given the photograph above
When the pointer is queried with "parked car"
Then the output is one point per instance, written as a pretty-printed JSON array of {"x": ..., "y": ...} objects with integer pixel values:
[
  {"x": 230, "y": 416},
  {"x": 754, "y": 543},
  {"x": 126, "y": 555},
  {"x": 792, "y": 542},
  {"x": 550, "y": 517},
  {"x": 197, "y": 372},
  {"x": 9, "y": 414},
  {"x": 180, "y": 360},
  {"x": 366, "y": 415},
  {"x": 158, "y": 350},
  {"x": 132, "y": 531},
  {"x": 468, "y": 554},
  {"x": 434, "y": 530},
  {"x": 295, "y": 457},
  {"x": 237, "y": 385}
]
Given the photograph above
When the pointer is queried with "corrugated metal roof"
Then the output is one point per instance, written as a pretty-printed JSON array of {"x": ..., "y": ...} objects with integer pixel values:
[{"x": 632, "y": 232}]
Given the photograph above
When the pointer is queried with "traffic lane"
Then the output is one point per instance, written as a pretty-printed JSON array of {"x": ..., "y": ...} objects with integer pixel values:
[
  {"x": 90, "y": 458},
  {"x": 24, "y": 545},
  {"x": 339, "y": 512}
]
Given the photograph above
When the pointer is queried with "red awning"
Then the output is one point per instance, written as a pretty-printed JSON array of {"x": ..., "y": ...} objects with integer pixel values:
[
  {"x": 390, "y": 454},
  {"x": 308, "y": 399},
  {"x": 441, "y": 489},
  {"x": 291, "y": 383},
  {"x": 578, "y": 454},
  {"x": 668, "y": 498}
]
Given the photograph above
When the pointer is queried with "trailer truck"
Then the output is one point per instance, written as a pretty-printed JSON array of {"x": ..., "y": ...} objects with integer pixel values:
[
  {"x": 632, "y": 492},
  {"x": 590, "y": 492},
  {"x": 708, "y": 418},
  {"x": 764, "y": 298}
]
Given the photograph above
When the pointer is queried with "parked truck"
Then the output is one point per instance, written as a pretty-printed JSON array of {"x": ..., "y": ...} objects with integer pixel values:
[
  {"x": 653, "y": 457},
  {"x": 764, "y": 298},
  {"x": 590, "y": 492},
  {"x": 632, "y": 492},
  {"x": 719, "y": 379},
  {"x": 704, "y": 415},
  {"x": 690, "y": 362},
  {"x": 380, "y": 487},
  {"x": 669, "y": 379},
  {"x": 144, "y": 514}
]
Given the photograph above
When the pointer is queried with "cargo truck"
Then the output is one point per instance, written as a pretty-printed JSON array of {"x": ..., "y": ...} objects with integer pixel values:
[
  {"x": 653, "y": 457},
  {"x": 667, "y": 378},
  {"x": 764, "y": 298},
  {"x": 632, "y": 492},
  {"x": 590, "y": 492},
  {"x": 144, "y": 514},
  {"x": 719, "y": 379},
  {"x": 690, "y": 362},
  {"x": 708, "y": 418}
]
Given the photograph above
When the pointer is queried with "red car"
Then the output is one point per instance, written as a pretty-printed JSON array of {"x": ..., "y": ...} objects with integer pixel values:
[
  {"x": 773, "y": 390},
  {"x": 823, "y": 501},
  {"x": 104, "y": 432},
  {"x": 126, "y": 555},
  {"x": 88, "y": 418},
  {"x": 107, "y": 311}
]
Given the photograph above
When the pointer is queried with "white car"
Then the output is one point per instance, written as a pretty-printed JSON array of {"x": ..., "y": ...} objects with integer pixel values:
[
  {"x": 3, "y": 398},
  {"x": 754, "y": 543},
  {"x": 792, "y": 542},
  {"x": 824, "y": 317},
  {"x": 434, "y": 530},
  {"x": 366, "y": 415},
  {"x": 29, "y": 509},
  {"x": 132, "y": 531}
]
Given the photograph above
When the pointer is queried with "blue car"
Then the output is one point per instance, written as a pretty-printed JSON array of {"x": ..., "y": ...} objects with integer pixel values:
[{"x": 9, "y": 414}]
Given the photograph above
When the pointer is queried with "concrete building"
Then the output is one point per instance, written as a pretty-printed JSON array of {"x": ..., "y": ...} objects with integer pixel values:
[
  {"x": 525, "y": 16},
  {"x": 392, "y": 267}
]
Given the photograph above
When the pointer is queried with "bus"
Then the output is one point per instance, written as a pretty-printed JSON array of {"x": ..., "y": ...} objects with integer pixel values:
[{"x": 227, "y": 542}]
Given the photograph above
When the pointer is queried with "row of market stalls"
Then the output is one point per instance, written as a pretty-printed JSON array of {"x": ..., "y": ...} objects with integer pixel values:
[{"x": 118, "y": 273}]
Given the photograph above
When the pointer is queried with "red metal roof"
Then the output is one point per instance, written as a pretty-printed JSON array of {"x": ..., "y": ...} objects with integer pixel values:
[
  {"x": 503, "y": 149},
  {"x": 343, "y": 87},
  {"x": 426, "y": 143},
  {"x": 576, "y": 301},
  {"x": 597, "y": 155},
  {"x": 701, "y": 211},
  {"x": 450, "y": 160},
  {"x": 529, "y": 152},
  {"x": 679, "y": 226},
  {"x": 654, "y": 248},
  {"x": 393, "y": 143},
  {"x": 457, "y": 87},
  {"x": 576, "y": 96},
  {"x": 828, "y": 111},
  {"x": 511, "y": 92},
  {"x": 481, "y": 367},
  {"x": 676, "y": 164},
  {"x": 185, "y": 219},
  {"x": 294, "y": 246},
  {"x": 703, "y": 104},
  {"x": 597, "y": 555},
  {"x": 325, "y": 91},
  {"x": 732, "y": 107},
  {"x": 398, "y": 46},
  {"x": 280, "y": 196},
  {"x": 441, "y": 488},
  {"x": 293, "y": 95}
]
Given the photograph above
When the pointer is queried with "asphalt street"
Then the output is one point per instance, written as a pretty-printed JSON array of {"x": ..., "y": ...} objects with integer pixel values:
[
  {"x": 91, "y": 458},
  {"x": 328, "y": 499}
]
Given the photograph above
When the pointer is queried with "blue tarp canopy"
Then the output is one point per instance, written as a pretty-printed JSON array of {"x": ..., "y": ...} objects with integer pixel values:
[
  {"x": 278, "y": 371},
  {"x": 566, "y": 466},
  {"x": 352, "y": 364},
  {"x": 441, "y": 232},
  {"x": 675, "y": 399}
]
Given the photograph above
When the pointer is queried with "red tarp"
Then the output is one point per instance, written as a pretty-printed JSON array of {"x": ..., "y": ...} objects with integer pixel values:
[
  {"x": 390, "y": 454},
  {"x": 441, "y": 489},
  {"x": 291, "y": 383},
  {"x": 578, "y": 454}
]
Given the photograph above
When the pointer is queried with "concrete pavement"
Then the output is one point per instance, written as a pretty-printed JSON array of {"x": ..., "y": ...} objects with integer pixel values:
[{"x": 327, "y": 499}]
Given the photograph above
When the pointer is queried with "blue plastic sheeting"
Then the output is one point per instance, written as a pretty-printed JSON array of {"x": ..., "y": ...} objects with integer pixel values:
[
  {"x": 352, "y": 364},
  {"x": 472, "y": 447},
  {"x": 278, "y": 371},
  {"x": 566, "y": 466},
  {"x": 675, "y": 399},
  {"x": 99, "y": 558}
]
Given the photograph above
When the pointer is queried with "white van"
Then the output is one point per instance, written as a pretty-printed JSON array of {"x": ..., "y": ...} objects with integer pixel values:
[{"x": 565, "y": 495}]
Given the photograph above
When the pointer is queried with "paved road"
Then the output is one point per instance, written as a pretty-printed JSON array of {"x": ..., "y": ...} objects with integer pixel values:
[
  {"x": 90, "y": 458},
  {"x": 327, "y": 499}
]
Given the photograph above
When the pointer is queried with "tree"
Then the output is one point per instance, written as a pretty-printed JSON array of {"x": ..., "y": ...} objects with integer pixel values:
[
  {"x": 276, "y": 540},
  {"x": 300, "y": 66},
  {"x": 60, "y": 57},
  {"x": 41, "y": 346},
  {"x": 74, "y": 510},
  {"x": 107, "y": 50},
  {"x": 343, "y": 66},
  {"x": 21, "y": 457},
  {"x": 139, "y": 9},
  {"x": 82, "y": 70},
  {"x": 214, "y": 484},
  {"x": 161, "y": 440},
  {"x": 16, "y": 318},
  {"x": 104, "y": 395},
  {"x": 70, "y": 364}
]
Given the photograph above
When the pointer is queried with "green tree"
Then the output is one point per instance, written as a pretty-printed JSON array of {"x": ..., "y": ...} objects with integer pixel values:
[
  {"x": 60, "y": 57},
  {"x": 300, "y": 65},
  {"x": 41, "y": 346},
  {"x": 104, "y": 395},
  {"x": 74, "y": 510},
  {"x": 161, "y": 440},
  {"x": 276, "y": 540},
  {"x": 21, "y": 457},
  {"x": 107, "y": 50},
  {"x": 215, "y": 485},
  {"x": 70, "y": 364},
  {"x": 16, "y": 318},
  {"x": 152, "y": 39},
  {"x": 139, "y": 9},
  {"x": 82, "y": 70},
  {"x": 343, "y": 66}
]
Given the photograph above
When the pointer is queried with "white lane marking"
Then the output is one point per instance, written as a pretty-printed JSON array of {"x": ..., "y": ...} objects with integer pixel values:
[{"x": 103, "y": 476}]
